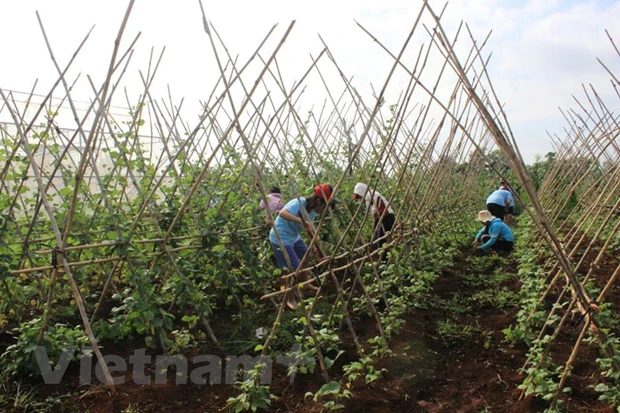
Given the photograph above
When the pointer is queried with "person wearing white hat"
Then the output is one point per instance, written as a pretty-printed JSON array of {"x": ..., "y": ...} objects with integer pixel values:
[
  {"x": 380, "y": 210},
  {"x": 494, "y": 235}
]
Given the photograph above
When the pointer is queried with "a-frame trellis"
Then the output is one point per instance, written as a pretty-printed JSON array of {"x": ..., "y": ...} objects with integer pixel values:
[{"x": 252, "y": 130}]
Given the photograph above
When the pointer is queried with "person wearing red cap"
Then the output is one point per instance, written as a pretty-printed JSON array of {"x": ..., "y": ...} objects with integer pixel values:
[
  {"x": 289, "y": 224},
  {"x": 380, "y": 210}
]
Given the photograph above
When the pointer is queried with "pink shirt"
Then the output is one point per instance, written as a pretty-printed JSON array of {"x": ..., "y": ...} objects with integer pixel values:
[{"x": 274, "y": 203}]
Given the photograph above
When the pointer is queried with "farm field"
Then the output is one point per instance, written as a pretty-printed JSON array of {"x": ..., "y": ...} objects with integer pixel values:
[
  {"x": 450, "y": 355},
  {"x": 138, "y": 272}
]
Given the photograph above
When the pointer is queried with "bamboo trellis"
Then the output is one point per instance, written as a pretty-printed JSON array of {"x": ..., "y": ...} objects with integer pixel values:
[{"x": 418, "y": 152}]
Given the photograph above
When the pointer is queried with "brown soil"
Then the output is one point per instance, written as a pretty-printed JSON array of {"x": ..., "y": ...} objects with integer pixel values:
[
  {"x": 424, "y": 374},
  {"x": 470, "y": 376}
]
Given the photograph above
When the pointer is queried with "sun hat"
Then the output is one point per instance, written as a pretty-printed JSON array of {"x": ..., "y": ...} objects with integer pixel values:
[
  {"x": 359, "y": 190},
  {"x": 485, "y": 216}
]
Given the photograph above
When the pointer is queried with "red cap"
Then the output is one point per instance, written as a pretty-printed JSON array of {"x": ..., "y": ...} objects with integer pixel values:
[{"x": 323, "y": 191}]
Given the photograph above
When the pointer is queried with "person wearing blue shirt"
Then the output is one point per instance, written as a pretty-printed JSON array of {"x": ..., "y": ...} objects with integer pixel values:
[
  {"x": 505, "y": 186},
  {"x": 499, "y": 202},
  {"x": 494, "y": 235},
  {"x": 285, "y": 235}
]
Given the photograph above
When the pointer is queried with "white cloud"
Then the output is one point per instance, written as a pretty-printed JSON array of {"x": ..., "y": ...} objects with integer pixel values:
[{"x": 542, "y": 49}]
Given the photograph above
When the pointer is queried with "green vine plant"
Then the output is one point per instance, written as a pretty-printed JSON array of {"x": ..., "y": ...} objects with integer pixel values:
[
  {"x": 19, "y": 359},
  {"x": 362, "y": 369},
  {"x": 329, "y": 342},
  {"x": 609, "y": 390},
  {"x": 330, "y": 396},
  {"x": 531, "y": 316},
  {"x": 542, "y": 376},
  {"x": 253, "y": 396}
]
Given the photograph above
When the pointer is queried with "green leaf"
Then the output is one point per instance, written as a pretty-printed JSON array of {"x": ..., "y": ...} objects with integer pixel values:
[
  {"x": 332, "y": 387},
  {"x": 66, "y": 191},
  {"x": 261, "y": 403},
  {"x": 601, "y": 387}
]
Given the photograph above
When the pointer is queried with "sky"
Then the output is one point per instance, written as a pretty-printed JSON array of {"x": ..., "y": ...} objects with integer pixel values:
[{"x": 543, "y": 51}]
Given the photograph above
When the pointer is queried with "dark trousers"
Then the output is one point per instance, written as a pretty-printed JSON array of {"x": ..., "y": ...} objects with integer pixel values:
[
  {"x": 294, "y": 251},
  {"x": 387, "y": 223},
  {"x": 497, "y": 210},
  {"x": 500, "y": 244}
]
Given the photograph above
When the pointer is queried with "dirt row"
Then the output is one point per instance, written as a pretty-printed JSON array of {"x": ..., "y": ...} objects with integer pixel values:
[{"x": 449, "y": 357}]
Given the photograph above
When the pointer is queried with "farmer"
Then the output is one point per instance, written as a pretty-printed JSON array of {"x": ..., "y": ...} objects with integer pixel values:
[
  {"x": 382, "y": 214},
  {"x": 503, "y": 184},
  {"x": 494, "y": 235},
  {"x": 499, "y": 202},
  {"x": 297, "y": 216},
  {"x": 274, "y": 203}
]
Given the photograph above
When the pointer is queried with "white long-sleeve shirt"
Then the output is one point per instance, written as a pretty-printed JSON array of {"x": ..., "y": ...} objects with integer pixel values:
[{"x": 374, "y": 200}]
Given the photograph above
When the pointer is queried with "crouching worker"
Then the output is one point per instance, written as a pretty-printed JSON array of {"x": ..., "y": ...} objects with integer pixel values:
[
  {"x": 290, "y": 223},
  {"x": 494, "y": 235}
]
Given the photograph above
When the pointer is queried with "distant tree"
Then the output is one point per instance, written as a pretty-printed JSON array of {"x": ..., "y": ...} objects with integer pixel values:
[
  {"x": 495, "y": 161},
  {"x": 541, "y": 168}
]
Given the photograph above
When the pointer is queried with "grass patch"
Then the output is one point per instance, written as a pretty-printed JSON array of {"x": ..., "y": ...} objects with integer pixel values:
[
  {"x": 457, "y": 304},
  {"x": 452, "y": 332},
  {"x": 495, "y": 299}
]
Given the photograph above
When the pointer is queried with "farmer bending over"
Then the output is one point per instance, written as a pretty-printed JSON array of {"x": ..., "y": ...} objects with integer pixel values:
[
  {"x": 289, "y": 226},
  {"x": 274, "y": 203},
  {"x": 380, "y": 212},
  {"x": 494, "y": 235},
  {"x": 499, "y": 202}
]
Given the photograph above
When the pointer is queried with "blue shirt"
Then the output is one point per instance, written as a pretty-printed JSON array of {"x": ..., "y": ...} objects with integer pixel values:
[
  {"x": 498, "y": 231},
  {"x": 290, "y": 231},
  {"x": 499, "y": 197}
]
